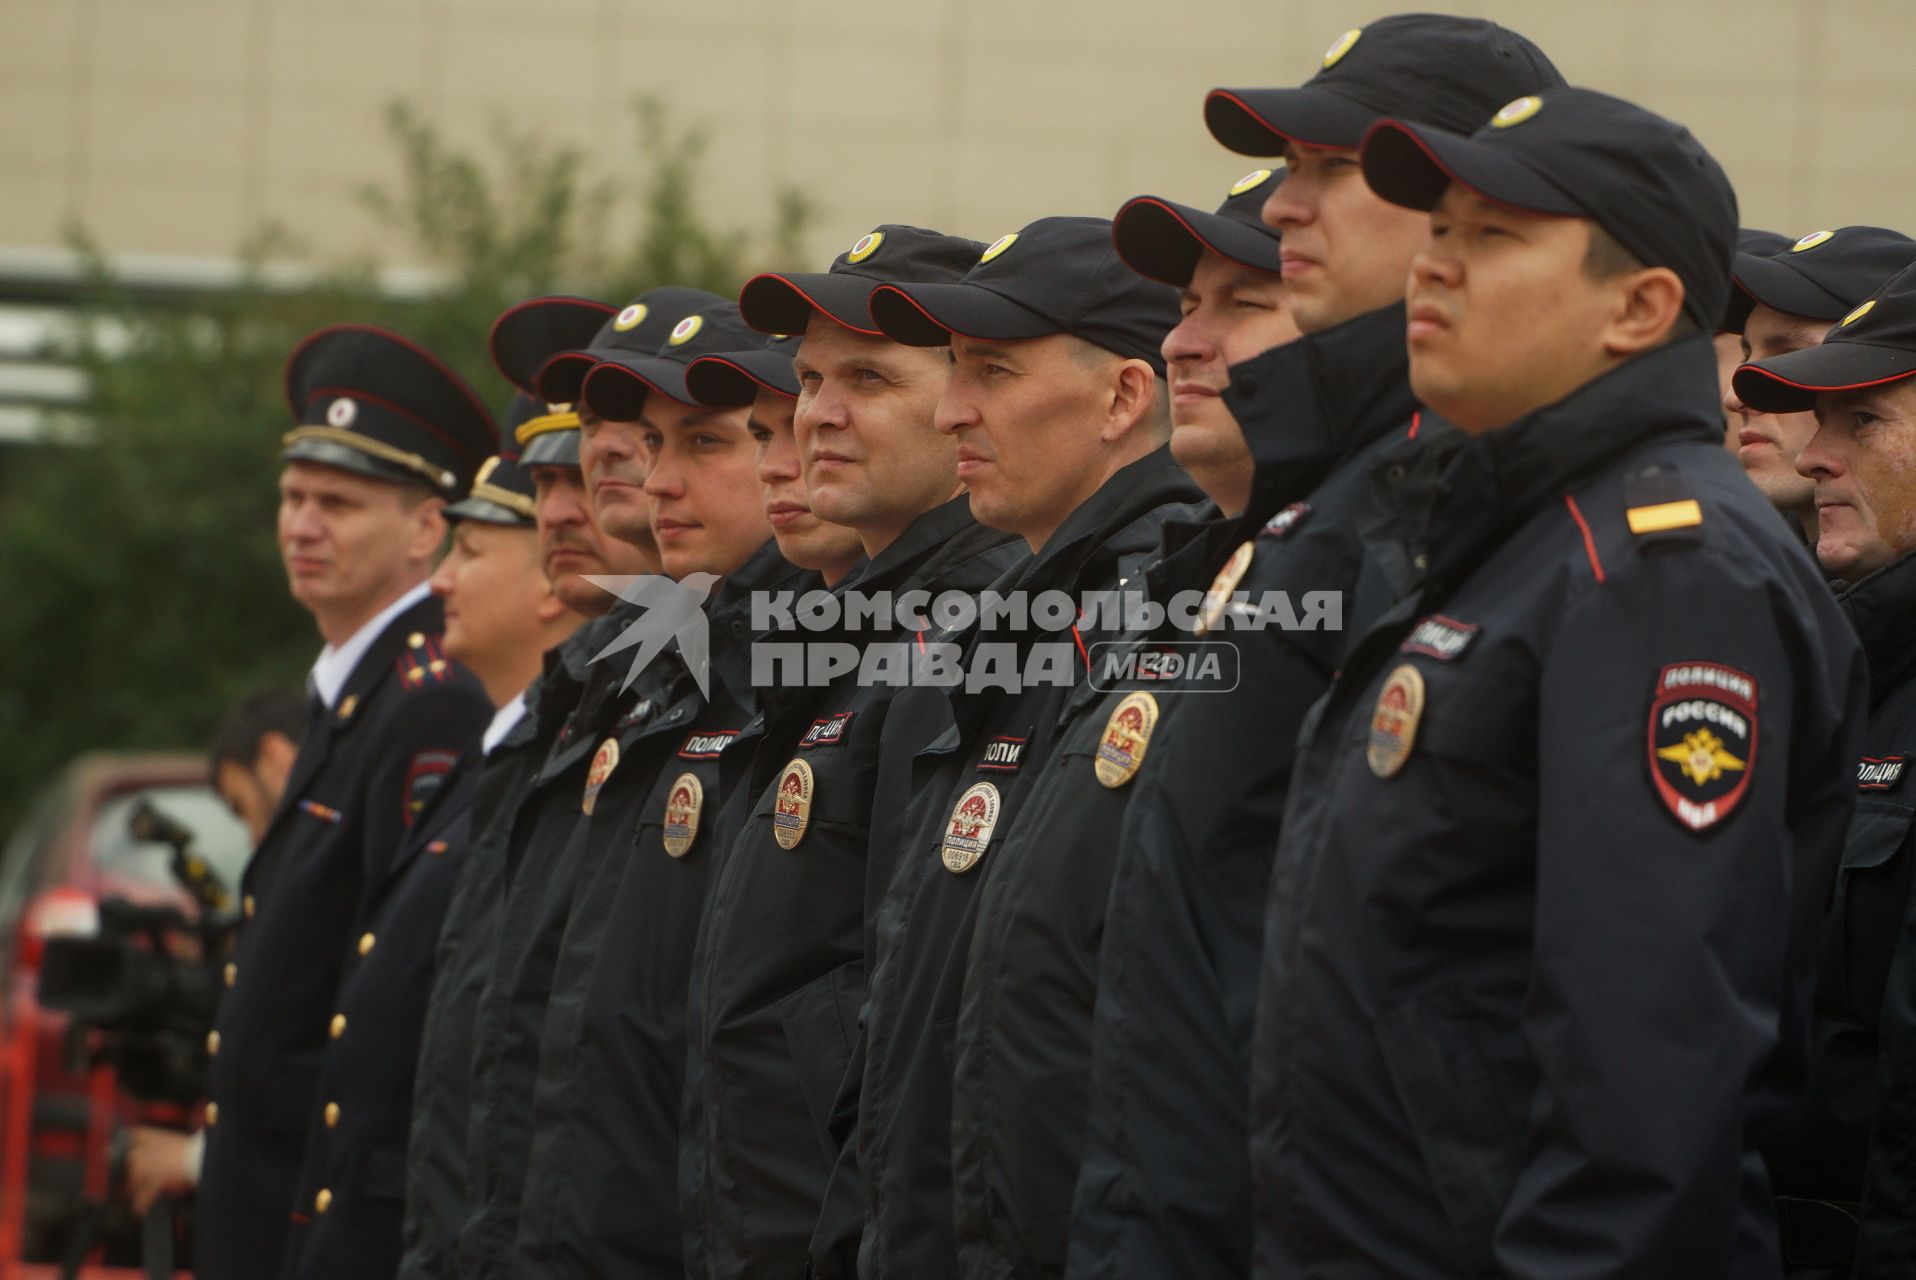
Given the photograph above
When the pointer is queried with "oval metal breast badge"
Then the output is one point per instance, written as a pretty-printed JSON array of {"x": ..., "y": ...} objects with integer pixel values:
[
  {"x": 969, "y": 830},
  {"x": 604, "y": 761},
  {"x": 792, "y": 805},
  {"x": 682, "y": 814},
  {"x": 1219, "y": 596},
  {"x": 1393, "y": 723},
  {"x": 1127, "y": 735}
]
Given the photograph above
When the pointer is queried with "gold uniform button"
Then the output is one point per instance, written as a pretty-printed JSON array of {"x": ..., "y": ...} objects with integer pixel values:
[
  {"x": 323, "y": 1201},
  {"x": 339, "y": 1025},
  {"x": 366, "y": 944},
  {"x": 212, "y": 1043},
  {"x": 212, "y": 1114},
  {"x": 250, "y": 905},
  {"x": 332, "y": 1115},
  {"x": 232, "y": 973}
]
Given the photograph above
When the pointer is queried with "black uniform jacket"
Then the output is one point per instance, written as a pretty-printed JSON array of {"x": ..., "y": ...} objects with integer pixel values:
[
  {"x": 356, "y": 1152},
  {"x": 365, "y": 770},
  {"x": 1164, "y": 1188},
  {"x": 1557, "y": 840},
  {"x": 541, "y": 870},
  {"x": 601, "y": 1185},
  {"x": 779, "y": 969},
  {"x": 991, "y": 743},
  {"x": 1862, "y": 1046},
  {"x": 438, "y": 1199}
]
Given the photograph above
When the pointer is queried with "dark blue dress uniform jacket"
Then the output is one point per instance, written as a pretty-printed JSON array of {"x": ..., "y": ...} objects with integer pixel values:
[
  {"x": 1165, "y": 1184},
  {"x": 364, "y": 770},
  {"x": 922, "y": 928},
  {"x": 779, "y": 966},
  {"x": 1541, "y": 935},
  {"x": 601, "y": 1183},
  {"x": 356, "y": 1152}
]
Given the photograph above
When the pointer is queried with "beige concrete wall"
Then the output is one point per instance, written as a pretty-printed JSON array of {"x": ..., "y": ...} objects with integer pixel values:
[{"x": 175, "y": 126}]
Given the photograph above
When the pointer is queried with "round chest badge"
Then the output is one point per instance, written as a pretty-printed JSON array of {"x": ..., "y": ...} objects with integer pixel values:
[
  {"x": 1811, "y": 240},
  {"x": 1335, "y": 54},
  {"x": 1218, "y": 598},
  {"x": 630, "y": 318},
  {"x": 682, "y": 814},
  {"x": 1127, "y": 735},
  {"x": 1250, "y": 181},
  {"x": 867, "y": 245},
  {"x": 969, "y": 830},
  {"x": 341, "y": 412},
  {"x": 998, "y": 246},
  {"x": 604, "y": 761},
  {"x": 685, "y": 330},
  {"x": 792, "y": 805},
  {"x": 1517, "y": 112},
  {"x": 1393, "y": 723}
]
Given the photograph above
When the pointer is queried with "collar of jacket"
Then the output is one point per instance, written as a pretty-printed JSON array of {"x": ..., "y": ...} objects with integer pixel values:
[
  {"x": 427, "y": 616},
  {"x": 1309, "y": 404},
  {"x": 1190, "y": 547},
  {"x": 920, "y": 537},
  {"x": 1095, "y": 530},
  {"x": 1882, "y": 608},
  {"x": 731, "y": 614},
  {"x": 1447, "y": 499}
]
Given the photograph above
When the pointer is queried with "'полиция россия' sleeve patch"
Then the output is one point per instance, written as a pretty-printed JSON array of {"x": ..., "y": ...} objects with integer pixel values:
[{"x": 1702, "y": 740}]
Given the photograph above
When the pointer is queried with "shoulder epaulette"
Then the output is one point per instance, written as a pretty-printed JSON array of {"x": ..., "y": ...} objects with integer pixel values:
[
  {"x": 423, "y": 663},
  {"x": 1659, "y": 509}
]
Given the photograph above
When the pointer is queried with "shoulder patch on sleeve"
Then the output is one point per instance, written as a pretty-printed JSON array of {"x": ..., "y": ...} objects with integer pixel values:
[
  {"x": 1659, "y": 509},
  {"x": 425, "y": 774},
  {"x": 1702, "y": 741}
]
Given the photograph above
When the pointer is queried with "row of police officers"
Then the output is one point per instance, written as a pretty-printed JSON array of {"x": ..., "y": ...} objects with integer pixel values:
[{"x": 1533, "y": 903}]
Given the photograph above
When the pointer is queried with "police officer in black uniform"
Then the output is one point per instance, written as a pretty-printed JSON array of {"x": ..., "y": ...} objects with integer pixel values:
[
  {"x": 1057, "y": 402},
  {"x": 436, "y": 1172},
  {"x": 386, "y": 435},
  {"x": 779, "y": 971},
  {"x": 1785, "y": 301},
  {"x": 1161, "y": 1190},
  {"x": 501, "y": 616},
  {"x": 1560, "y": 832},
  {"x": 540, "y": 868},
  {"x": 1855, "y": 386},
  {"x": 601, "y": 1185}
]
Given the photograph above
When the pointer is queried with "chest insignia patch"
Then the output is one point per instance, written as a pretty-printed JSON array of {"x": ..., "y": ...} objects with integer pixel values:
[
  {"x": 969, "y": 830},
  {"x": 1002, "y": 755},
  {"x": 1218, "y": 598},
  {"x": 826, "y": 732},
  {"x": 1284, "y": 522},
  {"x": 706, "y": 745},
  {"x": 604, "y": 761},
  {"x": 1127, "y": 736},
  {"x": 1702, "y": 741},
  {"x": 792, "y": 805},
  {"x": 1394, "y": 720},
  {"x": 1880, "y": 773},
  {"x": 1444, "y": 639},
  {"x": 682, "y": 814}
]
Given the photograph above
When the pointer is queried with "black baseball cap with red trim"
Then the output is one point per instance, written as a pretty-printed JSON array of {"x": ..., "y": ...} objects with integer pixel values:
[
  {"x": 618, "y": 385},
  {"x": 1875, "y": 344},
  {"x": 1758, "y": 243},
  {"x": 1430, "y": 67},
  {"x": 1165, "y": 241},
  {"x": 734, "y": 378},
  {"x": 784, "y": 302},
  {"x": 372, "y": 402},
  {"x": 1821, "y": 276},
  {"x": 1578, "y": 153},
  {"x": 638, "y": 328},
  {"x": 1056, "y": 275},
  {"x": 523, "y": 338}
]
